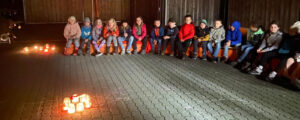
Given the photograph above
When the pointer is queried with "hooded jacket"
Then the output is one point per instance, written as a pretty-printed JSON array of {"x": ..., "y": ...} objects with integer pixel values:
[
  {"x": 187, "y": 31},
  {"x": 161, "y": 32},
  {"x": 72, "y": 31},
  {"x": 107, "y": 32},
  {"x": 235, "y": 36},
  {"x": 254, "y": 38},
  {"x": 172, "y": 32},
  {"x": 143, "y": 32},
  {"x": 97, "y": 33},
  {"x": 203, "y": 33},
  {"x": 217, "y": 34},
  {"x": 86, "y": 32},
  {"x": 123, "y": 30},
  {"x": 271, "y": 41}
]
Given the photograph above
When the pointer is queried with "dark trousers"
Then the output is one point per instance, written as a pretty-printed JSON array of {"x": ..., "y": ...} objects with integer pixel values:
[
  {"x": 203, "y": 45},
  {"x": 183, "y": 46},
  {"x": 144, "y": 41},
  {"x": 268, "y": 56},
  {"x": 172, "y": 43},
  {"x": 85, "y": 43}
]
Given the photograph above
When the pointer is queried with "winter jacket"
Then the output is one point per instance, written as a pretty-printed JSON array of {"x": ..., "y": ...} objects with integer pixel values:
[
  {"x": 124, "y": 30},
  {"x": 72, "y": 31},
  {"x": 271, "y": 41},
  {"x": 295, "y": 46},
  {"x": 187, "y": 31},
  {"x": 286, "y": 44},
  {"x": 172, "y": 32},
  {"x": 86, "y": 32},
  {"x": 254, "y": 38},
  {"x": 97, "y": 33},
  {"x": 217, "y": 34},
  {"x": 143, "y": 34},
  {"x": 161, "y": 33},
  {"x": 107, "y": 33},
  {"x": 203, "y": 33},
  {"x": 235, "y": 36}
]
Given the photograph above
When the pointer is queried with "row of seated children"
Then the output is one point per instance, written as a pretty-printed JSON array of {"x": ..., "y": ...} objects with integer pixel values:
[{"x": 270, "y": 45}]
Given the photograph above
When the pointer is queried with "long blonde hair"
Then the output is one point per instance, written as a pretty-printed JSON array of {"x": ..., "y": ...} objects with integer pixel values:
[{"x": 114, "y": 26}]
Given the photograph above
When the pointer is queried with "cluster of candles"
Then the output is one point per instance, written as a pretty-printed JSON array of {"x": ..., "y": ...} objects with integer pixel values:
[
  {"x": 77, "y": 103},
  {"x": 46, "y": 48}
]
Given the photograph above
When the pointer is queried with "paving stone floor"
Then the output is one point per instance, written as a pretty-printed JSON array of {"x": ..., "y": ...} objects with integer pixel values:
[{"x": 136, "y": 87}]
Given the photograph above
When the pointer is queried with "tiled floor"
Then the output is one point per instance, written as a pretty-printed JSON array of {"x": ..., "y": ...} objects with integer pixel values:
[{"x": 137, "y": 87}]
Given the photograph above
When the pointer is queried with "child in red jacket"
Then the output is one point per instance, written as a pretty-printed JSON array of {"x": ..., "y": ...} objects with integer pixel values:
[
  {"x": 111, "y": 33},
  {"x": 186, "y": 34}
]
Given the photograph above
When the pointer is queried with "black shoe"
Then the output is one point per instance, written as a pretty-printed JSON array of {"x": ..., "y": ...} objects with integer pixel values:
[{"x": 107, "y": 50}]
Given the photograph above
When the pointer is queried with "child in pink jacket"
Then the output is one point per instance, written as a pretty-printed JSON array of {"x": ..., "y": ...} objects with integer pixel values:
[{"x": 72, "y": 34}]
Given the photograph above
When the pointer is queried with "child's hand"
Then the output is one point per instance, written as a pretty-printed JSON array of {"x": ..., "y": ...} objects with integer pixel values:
[
  {"x": 166, "y": 37},
  {"x": 86, "y": 40},
  {"x": 182, "y": 40},
  {"x": 155, "y": 41},
  {"x": 140, "y": 39},
  {"x": 228, "y": 43},
  {"x": 199, "y": 39},
  {"x": 125, "y": 34}
]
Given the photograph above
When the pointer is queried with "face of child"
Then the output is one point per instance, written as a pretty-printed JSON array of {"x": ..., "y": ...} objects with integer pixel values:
[
  {"x": 293, "y": 31},
  {"x": 110, "y": 23},
  {"x": 274, "y": 28},
  {"x": 232, "y": 28},
  {"x": 71, "y": 21},
  {"x": 99, "y": 22},
  {"x": 124, "y": 24},
  {"x": 202, "y": 25},
  {"x": 188, "y": 20},
  {"x": 172, "y": 24},
  {"x": 138, "y": 21},
  {"x": 87, "y": 23},
  {"x": 157, "y": 23},
  {"x": 252, "y": 28},
  {"x": 218, "y": 24}
]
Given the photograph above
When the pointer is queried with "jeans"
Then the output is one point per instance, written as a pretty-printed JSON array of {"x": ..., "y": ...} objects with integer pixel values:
[
  {"x": 172, "y": 42},
  {"x": 158, "y": 44},
  {"x": 246, "y": 49},
  {"x": 129, "y": 42},
  {"x": 85, "y": 43},
  {"x": 226, "y": 49},
  {"x": 112, "y": 38},
  {"x": 70, "y": 41},
  {"x": 217, "y": 49},
  {"x": 183, "y": 46},
  {"x": 98, "y": 47},
  {"x": 144, "y": 40}
]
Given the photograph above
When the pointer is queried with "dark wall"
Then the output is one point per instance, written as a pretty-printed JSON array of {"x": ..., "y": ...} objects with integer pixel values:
[
  {"x": 286, "y": 12},
  {"x": 52, "y": 11},
  {"x": 199, "y": 9},
  {"x": 13, "y": 5}
]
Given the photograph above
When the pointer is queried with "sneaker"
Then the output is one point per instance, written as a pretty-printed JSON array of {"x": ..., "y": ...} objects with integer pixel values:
[
  {"x": 162, "y": 53},
  {"x": 98, "y": 54},
  {"x": 271, "y": 76},
  {"x": 128, "y": 52},
  {"x": 88, "y": 52},
  {"x": 123, "y": 52},
  {"x": 205, "y": 59},
  {"x": 183, "y": 56},
  {"x": 143, "y": 52},
  {"x": 257, "y": 71}
]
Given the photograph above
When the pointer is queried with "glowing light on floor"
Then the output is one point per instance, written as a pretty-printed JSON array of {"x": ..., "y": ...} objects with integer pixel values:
[
  {"x": 40, "y": 48},
  {"x": 77, "y": 103}
]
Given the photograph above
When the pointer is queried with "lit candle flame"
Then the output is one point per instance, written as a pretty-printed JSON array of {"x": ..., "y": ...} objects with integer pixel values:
[{"x": 77, "y": 103}]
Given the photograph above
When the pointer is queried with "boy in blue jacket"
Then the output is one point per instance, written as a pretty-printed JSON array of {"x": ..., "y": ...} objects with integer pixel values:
[
  {"x": 157, "y": 35},
  {"x": 85, "y": 36},
  {"x": 233, "y": 38}
]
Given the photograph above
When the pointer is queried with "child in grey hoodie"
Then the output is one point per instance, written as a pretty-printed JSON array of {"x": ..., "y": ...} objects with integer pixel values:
[{"x": 217, "y": 35}]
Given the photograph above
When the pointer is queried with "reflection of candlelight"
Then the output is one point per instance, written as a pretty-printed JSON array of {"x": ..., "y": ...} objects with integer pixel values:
[
  {"x": 26, "y": 49},
  {"x": 77, "y": 103},
  {"x": 46, "y": 50},
  {"x": 41, "y": 48},
  {"x": 36, "y": 47}
]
